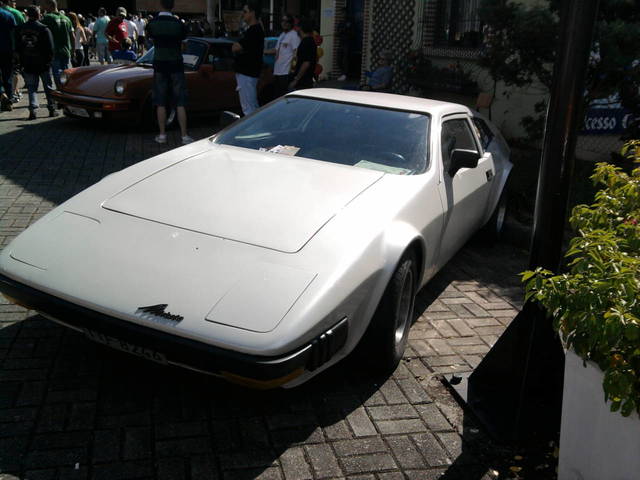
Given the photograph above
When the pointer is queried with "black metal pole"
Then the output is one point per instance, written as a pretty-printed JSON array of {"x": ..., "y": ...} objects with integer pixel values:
[
  {"x": 516, "y": 391},
  {"x": 558, "y": 152}
]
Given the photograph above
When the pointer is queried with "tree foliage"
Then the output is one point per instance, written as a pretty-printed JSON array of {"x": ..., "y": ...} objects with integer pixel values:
[
  {"x": 596, "y": 306},
  {"x": 522, "y": 40}
]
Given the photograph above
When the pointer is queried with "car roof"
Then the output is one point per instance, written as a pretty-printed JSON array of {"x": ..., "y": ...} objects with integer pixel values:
[
  {"x": 385, "y": 100},
  {"x": 212, "y": 40}
]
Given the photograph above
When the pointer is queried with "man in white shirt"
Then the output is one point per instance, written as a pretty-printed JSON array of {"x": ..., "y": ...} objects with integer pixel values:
[
  {"x": 132, "y": 32},
  {"x": 285, "y": 51},
  {"x": 141, "y": 24}
]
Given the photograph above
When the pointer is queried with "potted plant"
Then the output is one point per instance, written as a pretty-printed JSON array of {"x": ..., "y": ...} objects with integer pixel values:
[{"x": 596, "y": 310}]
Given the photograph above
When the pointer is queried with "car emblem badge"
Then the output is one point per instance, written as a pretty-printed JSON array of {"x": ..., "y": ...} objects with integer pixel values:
[{"x": 157, "y": 313}]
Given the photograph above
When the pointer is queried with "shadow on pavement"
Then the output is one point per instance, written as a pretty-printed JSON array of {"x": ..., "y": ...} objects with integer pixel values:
[
  {"x": 59, "y": 157},
  {"x": 480, "y": 458},
  {"x": 476, "y": 456},
  {"x": 67, "y": 401}
]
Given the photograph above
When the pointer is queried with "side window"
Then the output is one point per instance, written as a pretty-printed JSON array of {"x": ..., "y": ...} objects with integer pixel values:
[
  {"x": 193, "y": 52},
  {"x": 486, "y": 135},
  {"x": 221, "y": 57},
  {"x": 455, "y": 135}
]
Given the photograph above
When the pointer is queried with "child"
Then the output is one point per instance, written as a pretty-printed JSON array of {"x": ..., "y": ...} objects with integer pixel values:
[{"x": 125, "y": 55}]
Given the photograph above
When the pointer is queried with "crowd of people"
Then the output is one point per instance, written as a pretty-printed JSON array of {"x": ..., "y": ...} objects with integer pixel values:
[
  {"x": 41, "y": 44},
  {"x": 167, "y": 33},
  {"x": 39, "y": 47},
  {"x": 44, "y": 42}
]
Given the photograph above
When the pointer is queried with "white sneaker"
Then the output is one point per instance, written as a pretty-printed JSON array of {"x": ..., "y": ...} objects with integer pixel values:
[
  {"x": 187, "y": 140},
  {"x": 342, "y": 78},
  {"x": 161, "y": 138}
]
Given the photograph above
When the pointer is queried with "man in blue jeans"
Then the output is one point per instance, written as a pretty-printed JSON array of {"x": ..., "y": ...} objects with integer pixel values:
[
  {"x": 34, "y": 45},
  {"x": 169, "y": 81},
  {"x": 63, "y": 39},
  {"x": 102, "y": 42},
  {"x": 7, "y": 26}
]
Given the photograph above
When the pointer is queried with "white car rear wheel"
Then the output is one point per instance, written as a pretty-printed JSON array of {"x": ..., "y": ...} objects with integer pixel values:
[{"x": 492, "y": 231}]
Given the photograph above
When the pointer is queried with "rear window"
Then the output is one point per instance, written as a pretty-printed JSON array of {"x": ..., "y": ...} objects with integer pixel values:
[
  {"x": 391, "y": 141},
  {"x": 486, "y": 135}
]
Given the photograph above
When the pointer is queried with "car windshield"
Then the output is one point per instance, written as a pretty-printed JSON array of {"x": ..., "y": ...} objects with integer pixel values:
[
  {"x": 362, "y": 136},
  {"x": 191, "y": 54}
]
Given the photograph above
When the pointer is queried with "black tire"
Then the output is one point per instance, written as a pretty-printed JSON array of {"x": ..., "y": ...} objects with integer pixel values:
[
  {"x": 384, "y": 343},
  {"x": 493, "y": 229}
]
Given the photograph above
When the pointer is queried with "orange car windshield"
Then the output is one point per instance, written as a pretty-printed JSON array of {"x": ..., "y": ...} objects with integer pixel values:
[{"x": 192, "y": 54}]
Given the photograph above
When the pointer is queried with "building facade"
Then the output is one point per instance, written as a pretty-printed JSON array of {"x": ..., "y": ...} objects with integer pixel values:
[{"x": 447, "y": 36}]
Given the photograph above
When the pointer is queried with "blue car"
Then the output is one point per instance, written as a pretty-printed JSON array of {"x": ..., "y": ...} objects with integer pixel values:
[{"x": 269, "y": 44}]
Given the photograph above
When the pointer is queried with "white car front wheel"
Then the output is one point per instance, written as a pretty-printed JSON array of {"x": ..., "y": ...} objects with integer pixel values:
[{"x": 386, "y": 339}]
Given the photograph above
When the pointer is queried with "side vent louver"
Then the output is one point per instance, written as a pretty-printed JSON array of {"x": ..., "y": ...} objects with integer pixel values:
[{"x": 327, "y": 344}]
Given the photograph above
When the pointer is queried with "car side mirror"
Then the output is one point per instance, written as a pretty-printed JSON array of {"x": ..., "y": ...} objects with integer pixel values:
[
  {"x": 463, "y": 159},
  {"x": 227, "y": 118}
]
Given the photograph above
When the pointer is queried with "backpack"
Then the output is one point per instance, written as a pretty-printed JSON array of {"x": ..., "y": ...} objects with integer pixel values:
[{"x": 31, "y": 50}]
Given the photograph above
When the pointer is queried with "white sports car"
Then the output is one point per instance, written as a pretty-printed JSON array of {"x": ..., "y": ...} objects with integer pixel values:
[{"x": 270, "y": 251}]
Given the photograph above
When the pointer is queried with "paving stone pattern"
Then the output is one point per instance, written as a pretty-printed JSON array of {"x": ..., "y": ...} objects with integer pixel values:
[{"x": 70, "y": 409}]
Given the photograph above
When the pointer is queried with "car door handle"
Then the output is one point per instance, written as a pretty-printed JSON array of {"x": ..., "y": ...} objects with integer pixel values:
[{"x": 489, "y": 175}]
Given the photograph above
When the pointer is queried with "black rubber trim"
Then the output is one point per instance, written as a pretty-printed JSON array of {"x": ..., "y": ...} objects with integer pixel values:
[{"x": 176, "y": 349}]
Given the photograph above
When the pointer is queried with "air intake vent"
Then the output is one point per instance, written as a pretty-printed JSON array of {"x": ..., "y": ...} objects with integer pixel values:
[{"x": 327, "y": 344}]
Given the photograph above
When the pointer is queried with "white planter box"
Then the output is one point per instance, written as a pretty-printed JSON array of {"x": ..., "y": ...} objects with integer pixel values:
[{"x": 595, "y": 443}]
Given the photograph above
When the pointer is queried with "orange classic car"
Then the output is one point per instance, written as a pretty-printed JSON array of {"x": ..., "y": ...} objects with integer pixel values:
[{"x": 123, "y": 92}]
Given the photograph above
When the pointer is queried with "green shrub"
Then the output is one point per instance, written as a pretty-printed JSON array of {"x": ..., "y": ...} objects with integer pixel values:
[{"x": 596, "y": 304}]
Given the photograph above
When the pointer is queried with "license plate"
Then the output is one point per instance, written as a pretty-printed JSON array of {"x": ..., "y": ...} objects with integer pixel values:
[
  {"x": 80, "y": 112},
  {"x": 125, "y": 346}
]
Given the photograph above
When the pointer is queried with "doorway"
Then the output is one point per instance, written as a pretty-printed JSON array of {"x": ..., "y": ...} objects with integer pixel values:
[{"x": 354, "y": 30}]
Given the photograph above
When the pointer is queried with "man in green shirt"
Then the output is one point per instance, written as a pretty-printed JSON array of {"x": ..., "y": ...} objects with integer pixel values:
[
  {"x": 17, "y": 14},
  {"x": 63, "y": 40}
]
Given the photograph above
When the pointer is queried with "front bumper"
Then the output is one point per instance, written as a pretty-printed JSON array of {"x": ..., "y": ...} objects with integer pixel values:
[
  {"x": 96, "y": 107},
  {"x": 251, "y": 370}
]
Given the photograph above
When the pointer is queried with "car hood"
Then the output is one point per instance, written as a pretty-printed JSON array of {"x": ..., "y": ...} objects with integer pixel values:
[
  {"x": 259, "y": 198},
  {"x": 100, "y": 80}
]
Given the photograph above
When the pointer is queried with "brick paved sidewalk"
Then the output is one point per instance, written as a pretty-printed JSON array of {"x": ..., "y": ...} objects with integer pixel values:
[{"x": 71, "y": 409}]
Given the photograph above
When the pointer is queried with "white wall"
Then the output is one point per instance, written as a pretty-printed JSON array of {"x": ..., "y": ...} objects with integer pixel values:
[{"x": 510, "y": 104}]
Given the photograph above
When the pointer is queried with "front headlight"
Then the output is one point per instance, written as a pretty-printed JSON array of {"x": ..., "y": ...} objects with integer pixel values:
[
  {"x": 64, "y": 78},
  {"x": 119, "y": 87}
]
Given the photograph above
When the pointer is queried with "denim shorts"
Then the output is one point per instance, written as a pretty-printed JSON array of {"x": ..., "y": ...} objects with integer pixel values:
[{"x": 169, "y": 89}]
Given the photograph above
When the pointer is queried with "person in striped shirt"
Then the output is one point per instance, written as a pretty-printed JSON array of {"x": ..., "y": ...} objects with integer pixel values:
[{"x": 168, "y": 33}]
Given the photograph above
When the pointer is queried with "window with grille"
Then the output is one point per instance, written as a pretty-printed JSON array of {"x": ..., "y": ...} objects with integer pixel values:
[{"x": 458, "y": 23}]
